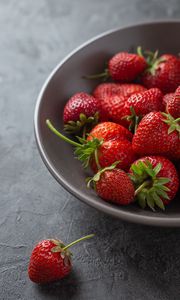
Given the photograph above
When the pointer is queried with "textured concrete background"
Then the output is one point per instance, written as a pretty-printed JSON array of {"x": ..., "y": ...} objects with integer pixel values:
[{"x": 124, "y": 261}]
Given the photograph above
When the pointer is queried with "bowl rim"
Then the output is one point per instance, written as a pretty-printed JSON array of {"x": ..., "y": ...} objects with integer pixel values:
[{"x": 110, "y": 210}]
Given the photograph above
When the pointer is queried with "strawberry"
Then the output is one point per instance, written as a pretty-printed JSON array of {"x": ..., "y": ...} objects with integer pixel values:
[
  {"x": 128, "y": 89},
  {"x": 51, "y": 260},
  {"x": 110, "y": 131},
  {"x": 81, "y": 110},
  {"x": 124, "y": 67},
  {"x": 113, "y": 97},
  {"x": 140, "y": 104},
  {"x": 106, "y": 90},
  {"x": 114, "y": 150},
  {"x": 166, "y": 98},
  {"x": 156, "y": 181},
  {"x": 114, "y": 145},
  {"x": 106, "y": 143},
  {"x": 114, "y": 107},
  {"x": 163, "y": 72},
  {"x": 157, "y": 134},
  {"x": 173, "y": 105},
  {"x": 113, "y": 185}
]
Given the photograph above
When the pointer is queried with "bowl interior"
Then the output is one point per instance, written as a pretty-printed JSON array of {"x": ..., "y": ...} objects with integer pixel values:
[{"x": 67, "y": 80}]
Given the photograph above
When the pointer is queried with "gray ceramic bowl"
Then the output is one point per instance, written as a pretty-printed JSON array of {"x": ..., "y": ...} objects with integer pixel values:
[{"x": 65, "y": 80}]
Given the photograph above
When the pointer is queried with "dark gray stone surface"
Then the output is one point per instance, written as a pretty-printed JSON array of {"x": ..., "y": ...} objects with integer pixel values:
[{"x": 124, "y": 261}]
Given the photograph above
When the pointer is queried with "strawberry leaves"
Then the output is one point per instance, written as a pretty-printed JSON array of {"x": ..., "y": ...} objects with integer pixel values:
[
  {"x": 83, "y": 150},
  {"x": 152, "y": 60},
  {"x": 97, "y": 176},
  {"x": 133, "y": 119},
  {"x": 84, "y": 121},
  {"x": 172, "y": 123},
  {"x": 151, "y": 189},
  {"x": 86, "y": 149}
]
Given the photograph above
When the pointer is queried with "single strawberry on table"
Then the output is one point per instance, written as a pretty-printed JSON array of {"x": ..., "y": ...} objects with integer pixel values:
[
  {"x": 82, "y": 110},
  {"x": 157, "y": 134},
  {"x": 162, "y": 72},
  {"x": 51, "y": 260},
  {"x": 156, "y": 181},
  {"x": 123, "y": 66}
]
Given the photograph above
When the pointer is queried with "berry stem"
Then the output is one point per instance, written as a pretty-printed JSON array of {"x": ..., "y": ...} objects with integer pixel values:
[
  {"x": 84, "y": 132},
  {"x": 140, "y": 188},
  {"x": 139, "y": 51},
  {"x": 137, "y": 121},
  {"x": 53, "y": 129},
  {"x": 79, "y": 240},
  {"x": 97, "y": 159},
  {"x": 104, "y": 74}
]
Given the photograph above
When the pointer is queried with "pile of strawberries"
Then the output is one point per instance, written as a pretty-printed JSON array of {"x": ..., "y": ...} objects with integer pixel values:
[{"x": 128, "y": 130}]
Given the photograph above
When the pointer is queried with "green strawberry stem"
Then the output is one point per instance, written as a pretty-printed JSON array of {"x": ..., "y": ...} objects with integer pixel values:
[
  {"x": 136, "y": 124},
  {"x": 177, "y": 120},
  {"x": 172, "y": 123},
  {"x": 151, "y": 189},
  {"x": 83, "y": 125},
  {"x": 105, "y": 75},
  {"x": 133, "y": 119},
  {"x": 97, "y": 176},
  {"x": 53, "y": 129},
  {"x": 152, "y": 59},
  {"x": 141, "y": 187},
  {"x": 97, "y": 159},
  {"x": 79, "y": 240},
  {"x": 84, "y": 132},
  {"x": 83, "y": 150},
  {"x": 139, "y": 51}
]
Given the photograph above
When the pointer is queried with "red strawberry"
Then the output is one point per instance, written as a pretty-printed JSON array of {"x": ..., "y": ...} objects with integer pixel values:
[
  {"x": 110, "y": 131},
  {"x": 114, "y": 145},
  {"x": 112, "y": 101},
  {"x": 173, "y": 105},
  {"x": 157, "y": 134},
  {"x": 124, "y": 67},
  {"x": 114, "y": 107},
  {"x": 156, "y": 181},
  {"x": 114, "y": 150},
  {"x": 138, "y": 105},
  {"x": 128, "y": 89},
  {"x": 167, "y": 97},
  {"x": 81, "y": 109},
  {"x": 51, "y": 260},
  {"x": 106, "y": 90},
  {"x": 113, "y": 97},
  {"x": 113, "y": 185},
  {"x": 163, "y": 73}
]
